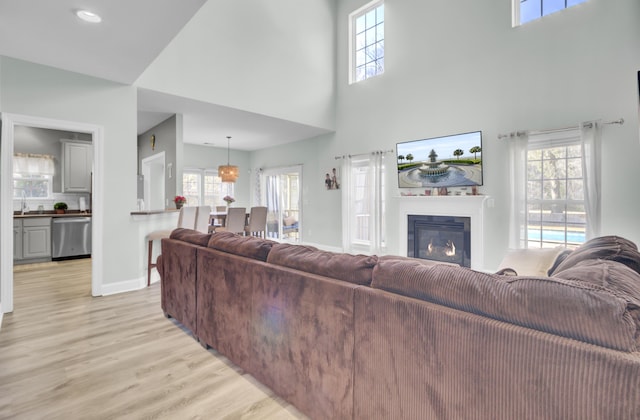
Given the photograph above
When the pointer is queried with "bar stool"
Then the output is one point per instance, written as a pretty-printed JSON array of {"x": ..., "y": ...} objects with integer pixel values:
[{"x": 186, "y": 219}]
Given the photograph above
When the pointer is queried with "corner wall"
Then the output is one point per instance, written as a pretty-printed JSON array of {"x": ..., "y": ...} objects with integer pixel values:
[{"x": 41, "y": 91}]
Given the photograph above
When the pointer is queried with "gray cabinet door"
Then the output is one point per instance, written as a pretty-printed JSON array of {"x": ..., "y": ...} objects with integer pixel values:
[
  {"x": 77, "y": 163},
  {"x": 17, "y": 239},
  {"x": 36, "y": 240}
]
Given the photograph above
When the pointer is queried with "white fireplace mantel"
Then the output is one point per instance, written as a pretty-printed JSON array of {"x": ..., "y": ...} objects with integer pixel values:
[{"x": 471, "y": 206}]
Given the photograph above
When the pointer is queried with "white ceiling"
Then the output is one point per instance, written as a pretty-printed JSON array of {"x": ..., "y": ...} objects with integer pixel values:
[{"x": 132, "y": 34}]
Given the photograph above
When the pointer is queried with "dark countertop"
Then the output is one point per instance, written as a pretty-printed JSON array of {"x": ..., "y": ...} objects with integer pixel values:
[
  {"x": 149, "y": 212},
  {"x": 50, "y": 213}
]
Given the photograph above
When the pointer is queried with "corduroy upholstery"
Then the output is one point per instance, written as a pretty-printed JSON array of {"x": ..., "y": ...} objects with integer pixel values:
[
  {"x": 572, "y": 309},
  {"x": 352, "y": 268},
  {"x": 425, "y": 340}
]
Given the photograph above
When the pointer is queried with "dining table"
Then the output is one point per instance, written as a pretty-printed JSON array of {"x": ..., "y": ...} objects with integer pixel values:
[{"x": 221, "y": 216}]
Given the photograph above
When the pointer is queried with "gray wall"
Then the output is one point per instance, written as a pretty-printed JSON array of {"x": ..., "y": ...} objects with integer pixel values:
[
  {"x": 166, "y": 141},
  {"x": 31, "y": 89}
]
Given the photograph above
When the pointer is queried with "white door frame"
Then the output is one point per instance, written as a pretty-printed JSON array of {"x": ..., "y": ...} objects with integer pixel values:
[
  {"x": 277, "y": 172},
  {"x": 9, "y": 121}
]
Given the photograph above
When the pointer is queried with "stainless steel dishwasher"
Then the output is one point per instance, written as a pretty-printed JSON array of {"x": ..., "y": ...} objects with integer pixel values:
[{"x": 70, "y": 237}]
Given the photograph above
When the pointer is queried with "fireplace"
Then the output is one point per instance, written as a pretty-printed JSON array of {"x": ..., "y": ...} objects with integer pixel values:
[{"x": 440, "y": 238}]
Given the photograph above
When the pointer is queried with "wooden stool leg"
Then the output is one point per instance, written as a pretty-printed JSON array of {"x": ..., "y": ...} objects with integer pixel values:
[{"x": 149, "y": 265}]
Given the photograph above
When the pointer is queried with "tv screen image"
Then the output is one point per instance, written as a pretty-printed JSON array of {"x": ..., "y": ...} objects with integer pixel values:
[{"x": 447, "y": 161}]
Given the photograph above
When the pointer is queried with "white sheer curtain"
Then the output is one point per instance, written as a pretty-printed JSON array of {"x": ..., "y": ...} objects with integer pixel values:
[
  {"x": 590, "y": 134},
  {"x": 518, "y": 188},
  {"x": 587, "y": 135},
  {"x": 363, "y": 205},
  {"x": 31, "y": 164}
]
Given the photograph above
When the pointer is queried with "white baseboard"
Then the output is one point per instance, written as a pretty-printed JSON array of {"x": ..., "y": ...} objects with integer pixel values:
[{"x": 129, "y": 285}]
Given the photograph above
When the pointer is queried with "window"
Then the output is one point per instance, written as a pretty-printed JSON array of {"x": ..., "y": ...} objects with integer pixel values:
[
  {"x": 555, "y": 200},
  {"x": 204, "y": 188},
  {"x": 527, "y": 10},
  {"x": 366, "y": 28},
  {"x": 32, "y": 176}
]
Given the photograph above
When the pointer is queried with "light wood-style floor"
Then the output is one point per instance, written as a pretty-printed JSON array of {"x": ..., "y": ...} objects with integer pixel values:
[{"x": 67, "y": 355}]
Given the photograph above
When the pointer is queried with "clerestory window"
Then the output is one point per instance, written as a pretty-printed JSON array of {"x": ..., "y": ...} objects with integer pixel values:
[
  {"x": 527, "y": 10},
  {"x": 367, "y": 41}
]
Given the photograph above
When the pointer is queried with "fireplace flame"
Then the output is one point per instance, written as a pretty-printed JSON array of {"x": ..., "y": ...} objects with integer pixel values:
[
  {"x": 450, "y": 249},
  {"x": 430, "y": 247}
]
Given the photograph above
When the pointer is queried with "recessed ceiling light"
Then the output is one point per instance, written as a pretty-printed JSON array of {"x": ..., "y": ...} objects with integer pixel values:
[{"x": 88, "y": 16}]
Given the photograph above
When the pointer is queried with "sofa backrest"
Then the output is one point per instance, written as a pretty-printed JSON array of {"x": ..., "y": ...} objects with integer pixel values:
[
  {"x": 246, "y": 246},
  {"x": 356, "y": 269},
  {"x": 574, "y": 309},
  {"x": 191, "y": 236}
]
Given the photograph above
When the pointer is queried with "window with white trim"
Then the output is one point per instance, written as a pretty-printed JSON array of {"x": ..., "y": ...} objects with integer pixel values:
[
  {"x": 527, "y": 10},
  {"x": 366, "y": 29},
  {"x": 204, "y": 188},
  {"x": 555, "y": 200},
  {"x": 32, "y": 176}
]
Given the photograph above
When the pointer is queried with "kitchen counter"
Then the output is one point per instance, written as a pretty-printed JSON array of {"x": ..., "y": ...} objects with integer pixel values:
[
  {"x": 50, "y": 213},
  {"x": 150, "y": 212}
]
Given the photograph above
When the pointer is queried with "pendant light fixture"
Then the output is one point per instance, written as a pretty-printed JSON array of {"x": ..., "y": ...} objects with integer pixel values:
[{"x": 228, "y": 172}]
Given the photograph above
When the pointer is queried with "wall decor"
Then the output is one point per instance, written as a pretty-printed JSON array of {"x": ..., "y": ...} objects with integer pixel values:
[{"x": 331, "y": 180}]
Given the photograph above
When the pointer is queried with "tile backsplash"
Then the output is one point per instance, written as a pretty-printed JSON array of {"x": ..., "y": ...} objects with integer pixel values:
[{"x": 72, "y": 200}]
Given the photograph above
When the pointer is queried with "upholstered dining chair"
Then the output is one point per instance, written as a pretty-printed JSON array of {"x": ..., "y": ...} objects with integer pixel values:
[
  {"x": 236, "y": 217},
  {"x": 186, "y": 219},
  {"x": 257, "y": 222},
  {"x": 202, "y": 219}
]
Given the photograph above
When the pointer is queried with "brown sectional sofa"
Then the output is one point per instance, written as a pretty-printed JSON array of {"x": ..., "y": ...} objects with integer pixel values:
[{"x": 360, "y": 337}]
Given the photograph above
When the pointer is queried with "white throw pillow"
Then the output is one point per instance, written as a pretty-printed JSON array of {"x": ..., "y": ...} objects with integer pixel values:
[{"x": 531, "y": 262}]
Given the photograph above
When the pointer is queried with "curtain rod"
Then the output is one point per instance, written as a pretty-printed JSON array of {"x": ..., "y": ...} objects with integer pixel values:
[
  {"x": 375, "y": 152},
  {"x": 554, "y": 130}
]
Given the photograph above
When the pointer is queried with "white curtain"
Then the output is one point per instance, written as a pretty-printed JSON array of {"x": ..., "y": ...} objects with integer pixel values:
[
  {"x": 30, "y": 164},
  {"x": 347, "y": 204},
  {"x": 518, "y": 188},
  {"x": 363, "y": 204},
  {"x": 590, "y": 133}
]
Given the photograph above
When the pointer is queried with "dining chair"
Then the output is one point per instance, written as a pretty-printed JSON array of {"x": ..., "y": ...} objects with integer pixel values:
[
  {"x": 257, "y": 222},
  {"x": 186, "y": 219},
  {"x": 202, "y": 219},
  {"x": 236, "y": 217}
]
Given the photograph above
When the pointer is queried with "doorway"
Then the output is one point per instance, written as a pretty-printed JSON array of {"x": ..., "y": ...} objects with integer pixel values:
[
  {"x": 9, "y": 122},
  {"x": 153, "y": 169},
  {"x": 281, "y": 194}
]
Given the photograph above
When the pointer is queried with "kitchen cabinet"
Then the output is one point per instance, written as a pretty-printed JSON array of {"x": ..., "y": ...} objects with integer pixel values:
[
  {"x": 77, "y": 166},
  {"x": 17, "y": 239},
  {"x": 32, "y": 238}
]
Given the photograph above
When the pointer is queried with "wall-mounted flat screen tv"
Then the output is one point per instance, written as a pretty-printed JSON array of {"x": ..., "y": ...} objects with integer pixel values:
[{"x": 447, "y": 161}]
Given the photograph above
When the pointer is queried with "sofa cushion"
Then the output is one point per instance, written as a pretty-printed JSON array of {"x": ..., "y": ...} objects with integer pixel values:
[
  {"x": 612, "y": 248},
  {"x": 611, "y": 275},
  {"x": 191, "y": 236},
  {"x": 568, "y": 308},
  {"x": 352, "y": 268},
  {"x": 530, "y": 262},
  {"x": 246, "y": 246}
]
